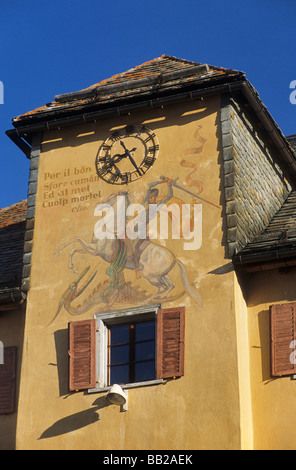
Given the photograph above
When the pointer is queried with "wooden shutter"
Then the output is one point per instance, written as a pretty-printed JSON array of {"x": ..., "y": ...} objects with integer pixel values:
[
  {"x": 170, "y": 342},
  {"x": 7, "y": 381},
  {"x": 283, "y": 334},
  {"x": 82, "y": 352}
]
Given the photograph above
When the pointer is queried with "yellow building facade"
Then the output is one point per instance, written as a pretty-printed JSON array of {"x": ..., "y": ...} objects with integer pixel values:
[{"x": 98, "y": 255}]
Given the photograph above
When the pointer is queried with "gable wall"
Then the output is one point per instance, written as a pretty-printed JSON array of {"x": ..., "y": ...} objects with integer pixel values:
[{"x": 63, "y": 207}]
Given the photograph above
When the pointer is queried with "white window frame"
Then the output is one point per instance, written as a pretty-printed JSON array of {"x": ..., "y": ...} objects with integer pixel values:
[{"x": 103, "y": 321}]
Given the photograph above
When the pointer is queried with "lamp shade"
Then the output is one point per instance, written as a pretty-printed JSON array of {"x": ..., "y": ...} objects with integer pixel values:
[{"x": 116, "y": 395}]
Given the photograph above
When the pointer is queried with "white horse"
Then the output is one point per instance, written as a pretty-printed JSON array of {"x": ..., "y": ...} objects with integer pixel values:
[{"x": 155, "y": 261}]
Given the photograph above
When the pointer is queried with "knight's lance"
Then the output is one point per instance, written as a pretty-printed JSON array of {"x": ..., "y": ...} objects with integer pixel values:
[{"x": 189, "y": 192}]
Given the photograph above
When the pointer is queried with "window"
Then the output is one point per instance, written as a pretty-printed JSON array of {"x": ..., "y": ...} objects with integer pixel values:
[
  {"x": 131, "y": 352},
  {"x": 130, "y": 347},
  {"x": 283, "y": 339},
  {"x": 7, "y": 380}
]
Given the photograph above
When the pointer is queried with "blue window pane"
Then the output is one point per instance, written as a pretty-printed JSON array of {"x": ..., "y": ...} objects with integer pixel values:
[
  {"x": 132, "y": 352},
  {"x": 119, "y": 354},
  {"x": 145, "y": 330},
  {"x": 119, "y": 334},
  {"x": 145, "y": 350},
  {"x": 144, "y": 371},
  {"x": 119, "y": 374}
]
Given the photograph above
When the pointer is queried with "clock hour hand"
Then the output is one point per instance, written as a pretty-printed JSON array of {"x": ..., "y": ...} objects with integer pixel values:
[
  {"x": 129, "y": 155},
  {"x": 111, "y": 164}
]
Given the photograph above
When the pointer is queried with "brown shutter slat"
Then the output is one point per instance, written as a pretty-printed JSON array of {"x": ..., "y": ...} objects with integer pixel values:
[
  {"x": 170, "y": 342},
  {"x": 82, "y": 352},
  {"x": 283, "y": 332},
  {"x": 7, "y": 381}
]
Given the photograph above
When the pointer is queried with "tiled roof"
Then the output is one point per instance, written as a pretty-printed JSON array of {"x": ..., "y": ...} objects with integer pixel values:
[
  {"x": 12, "y": 232},
  {"x": 280, "y": 234},
  {"x": 159, "y": 74},
  {"x": 13, "y": 214}
]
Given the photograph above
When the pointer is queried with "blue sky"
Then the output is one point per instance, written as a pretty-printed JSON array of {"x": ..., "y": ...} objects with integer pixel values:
[{"x": 54, "y": 47}]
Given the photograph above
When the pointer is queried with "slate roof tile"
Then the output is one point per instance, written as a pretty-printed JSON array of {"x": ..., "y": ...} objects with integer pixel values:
[
  {"x": 164, "y": 69},
  {"x": 13, "y": 214},
  {"x": 12, "y": 232},
  {"x": 280, "y": 232}
]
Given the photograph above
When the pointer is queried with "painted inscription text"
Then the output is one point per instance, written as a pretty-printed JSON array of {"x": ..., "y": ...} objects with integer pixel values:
[{"x": 69, "y": 187}]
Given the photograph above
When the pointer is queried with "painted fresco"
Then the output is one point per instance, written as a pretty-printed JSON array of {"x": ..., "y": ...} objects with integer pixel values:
[
  {"x": 73, "y": 278},
  {"x": 136, "y": 243}
]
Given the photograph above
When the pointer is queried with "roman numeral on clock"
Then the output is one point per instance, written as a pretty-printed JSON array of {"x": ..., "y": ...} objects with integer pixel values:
[
  {"x": 139, "y": 172},
  {"x": 153, "y": 148},
  {"x": 125, "y": 178},
  {"x": 114, "y": 177},
  {"x": 150, "y": 137},
  {"x": 148, "y": 161}
]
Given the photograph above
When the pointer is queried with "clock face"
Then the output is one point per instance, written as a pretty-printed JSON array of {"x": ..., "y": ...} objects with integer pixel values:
[{"x": 127, "y": 154}]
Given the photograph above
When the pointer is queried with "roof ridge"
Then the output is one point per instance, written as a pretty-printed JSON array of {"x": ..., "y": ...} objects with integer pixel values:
[
  {"x": 137, "y": 67},
  {"x": 179, "y": 59}
]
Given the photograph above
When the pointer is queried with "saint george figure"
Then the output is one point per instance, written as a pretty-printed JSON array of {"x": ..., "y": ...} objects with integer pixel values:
[{"x": 148, "y": 210}]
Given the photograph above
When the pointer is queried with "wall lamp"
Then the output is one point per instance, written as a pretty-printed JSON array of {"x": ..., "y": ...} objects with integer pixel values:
[{"x": 117, "y": 396}]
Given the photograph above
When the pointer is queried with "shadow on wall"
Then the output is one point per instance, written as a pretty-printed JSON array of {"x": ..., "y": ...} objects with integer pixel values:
[
  {"x": 82, "y": 418},
  {"x": 79, "y": 135},
  {"x": 61, "y": 345},
  {"x": 76, "y": 421},
  {"x": 264, "y": 345}
]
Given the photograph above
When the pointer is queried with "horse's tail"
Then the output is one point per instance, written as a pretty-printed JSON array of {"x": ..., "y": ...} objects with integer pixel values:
[{"x": 188, "y": 288}]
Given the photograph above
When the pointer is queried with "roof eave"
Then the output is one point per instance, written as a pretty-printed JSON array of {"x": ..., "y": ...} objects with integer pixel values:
[
  {"x": 137, "y": 94},
  {"x": 11, "y": 298},
  {"x": 236, "y": 82},
  {"x": 23, "y": 129},
  {"x": 265, "y": 260}
]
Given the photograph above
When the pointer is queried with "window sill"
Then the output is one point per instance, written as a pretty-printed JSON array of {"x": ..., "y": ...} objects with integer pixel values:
[{"x": 126, "y": 386}]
